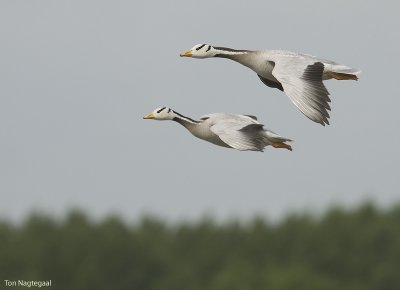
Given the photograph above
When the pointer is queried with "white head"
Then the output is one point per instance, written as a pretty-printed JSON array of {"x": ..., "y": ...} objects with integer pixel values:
[
  {"x": 162, "y": 113},
  {"x": 200, "y": 51}
]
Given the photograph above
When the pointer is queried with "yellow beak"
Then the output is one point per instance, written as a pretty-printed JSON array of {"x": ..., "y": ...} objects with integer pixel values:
[
  {"x": 186, "y": 53},
  {"x": 149, "y": 116}
]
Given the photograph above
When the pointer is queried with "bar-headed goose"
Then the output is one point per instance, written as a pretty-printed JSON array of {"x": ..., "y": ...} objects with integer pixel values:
[
  {"x": 300, "y": 76},
  {"x": 241, "y": 132}
]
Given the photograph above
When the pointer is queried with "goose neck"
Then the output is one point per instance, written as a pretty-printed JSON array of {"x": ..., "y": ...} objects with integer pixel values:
[
  {"x": 234, "y": 54},
  {"x": 186, "y": 122}
]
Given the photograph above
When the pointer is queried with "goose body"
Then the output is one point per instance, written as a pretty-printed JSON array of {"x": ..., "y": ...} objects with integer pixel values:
[
  {"x": 241, "y": 132},
  {"x": 300, "y": 76}
]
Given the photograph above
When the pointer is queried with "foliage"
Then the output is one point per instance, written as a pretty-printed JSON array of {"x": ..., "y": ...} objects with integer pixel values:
[{"x": 352, "y": 250}]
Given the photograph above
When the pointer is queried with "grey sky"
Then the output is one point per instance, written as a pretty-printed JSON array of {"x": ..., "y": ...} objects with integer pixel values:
[{"x": 76, "y": 77}]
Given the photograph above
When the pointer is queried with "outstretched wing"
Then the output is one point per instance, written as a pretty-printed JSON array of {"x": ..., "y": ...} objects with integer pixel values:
[
  {"x": 302, "y": 82},
  {"x": 240, "y": 136}
]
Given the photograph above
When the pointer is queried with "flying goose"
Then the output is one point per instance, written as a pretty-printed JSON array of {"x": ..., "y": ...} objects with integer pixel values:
[
  {"x": 300, "y": 76},
  {"x": 241, "y": 132}
]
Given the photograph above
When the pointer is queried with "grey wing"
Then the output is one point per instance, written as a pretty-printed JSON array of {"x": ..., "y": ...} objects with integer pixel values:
[
  {"x": 251, "y": 116},
  {"x": 270, "y": 83},
  {"x": 302, "y": 82},
  {"x": 240, "y": 136}
]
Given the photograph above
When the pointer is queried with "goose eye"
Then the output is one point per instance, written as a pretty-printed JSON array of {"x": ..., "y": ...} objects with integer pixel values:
[
  {"x": 160, "y": 110},
  {"x": 200, "y": 47}
]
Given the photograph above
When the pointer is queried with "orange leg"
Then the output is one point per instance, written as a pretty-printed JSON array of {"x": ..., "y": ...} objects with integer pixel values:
[
  {"x": 282, "y": 145},
  {"x": 341, "y": 76}
]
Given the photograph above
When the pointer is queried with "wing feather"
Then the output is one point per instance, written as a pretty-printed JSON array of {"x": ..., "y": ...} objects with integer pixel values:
[
  {"x": 240, "y": 135},
  {"x": 302, "y": 82}
]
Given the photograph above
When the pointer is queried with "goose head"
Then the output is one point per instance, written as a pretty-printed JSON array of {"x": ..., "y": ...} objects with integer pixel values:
[
  {"x": 200, "y": 51},
  {"x": 162, "y": 113}
]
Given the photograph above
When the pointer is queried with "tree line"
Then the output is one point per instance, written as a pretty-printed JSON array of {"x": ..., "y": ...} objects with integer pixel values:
[{"x": 355, "y": 249}]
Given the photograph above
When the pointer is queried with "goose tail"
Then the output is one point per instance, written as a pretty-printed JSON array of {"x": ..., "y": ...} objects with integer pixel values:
[
  {"x": 277, "y": 141},
  {"x": 340, "y": 72}
]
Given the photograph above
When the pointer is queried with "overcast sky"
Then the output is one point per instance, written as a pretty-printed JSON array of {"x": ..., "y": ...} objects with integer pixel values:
[{"x": 76, "y": 78}]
